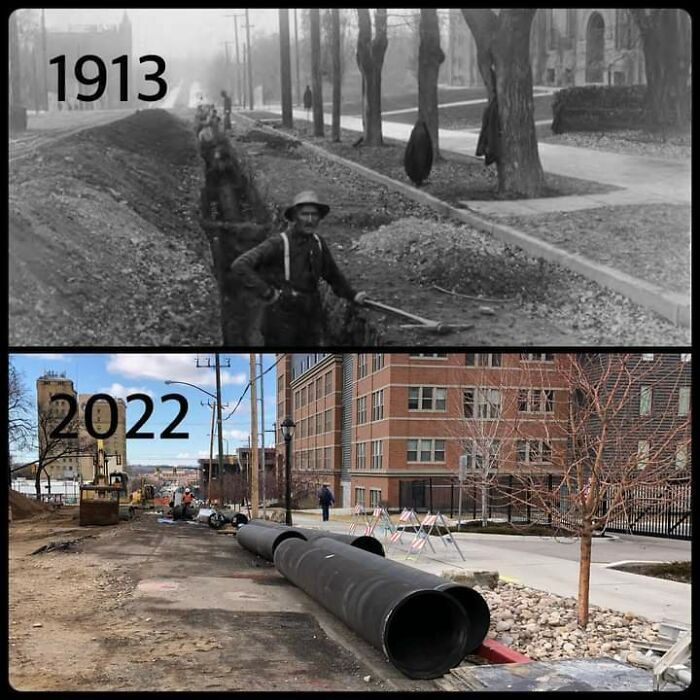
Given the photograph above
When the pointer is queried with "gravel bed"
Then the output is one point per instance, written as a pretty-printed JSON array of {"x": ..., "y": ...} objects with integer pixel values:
[{"x": 543, "y": 626}]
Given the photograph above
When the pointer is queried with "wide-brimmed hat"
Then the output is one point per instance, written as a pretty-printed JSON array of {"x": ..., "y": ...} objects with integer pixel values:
[{"x": 306, "y": 197}]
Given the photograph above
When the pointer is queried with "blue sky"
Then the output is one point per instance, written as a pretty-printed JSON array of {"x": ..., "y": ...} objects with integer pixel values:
[{"x": 121, "y": 374}]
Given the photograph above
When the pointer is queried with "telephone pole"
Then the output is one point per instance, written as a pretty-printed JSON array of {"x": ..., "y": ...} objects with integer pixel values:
[
  {"x": 250, "y": 65},
  {"x": 45, "y": 86},
  {"x": 253, "y": 440},
  {"x": 296, "y": 55},
  {"x": 262, "y": 433},
  {"x": 239, "y": 79}
]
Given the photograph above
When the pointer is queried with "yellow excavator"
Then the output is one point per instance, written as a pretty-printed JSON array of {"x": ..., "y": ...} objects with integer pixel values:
[
  {"x": 143, "y": 496},
  {"x": 99, "y": 500}
]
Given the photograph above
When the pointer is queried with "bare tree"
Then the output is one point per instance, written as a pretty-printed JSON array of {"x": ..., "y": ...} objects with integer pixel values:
[
  {"x": 627, "y": 433},
  {"x": 337, "y": 72},
  {"x": 316, "y": 81},
  {"x": 370, "y": 59},
  {"x": 666, "y": 39},
  {"x": 430, "y": 56},
  {"x": 285, "y": 68},
  {"x": 503, "y": 54},
  {"x": 19, "y": 422}
]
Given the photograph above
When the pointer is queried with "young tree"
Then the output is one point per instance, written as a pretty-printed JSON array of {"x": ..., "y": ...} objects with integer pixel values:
[
  {"x": 627, "y": 432},
  {"x": 19, "y": 422},
  {"x": 285, "y": 68},
  {"x": 370, "y": 59},
  {"x": 317, "y": 84},
  {"x": 666, "y": 39},
  {"x": 430, "y": 56},
  {"x": 503, "y": 54}
]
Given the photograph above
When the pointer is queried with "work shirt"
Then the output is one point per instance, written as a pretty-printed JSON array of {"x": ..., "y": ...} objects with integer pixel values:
[{"x": 261, "y": 269}]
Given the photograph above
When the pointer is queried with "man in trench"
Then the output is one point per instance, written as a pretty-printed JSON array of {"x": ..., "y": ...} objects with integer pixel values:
[{"x": 284, "y": 271}]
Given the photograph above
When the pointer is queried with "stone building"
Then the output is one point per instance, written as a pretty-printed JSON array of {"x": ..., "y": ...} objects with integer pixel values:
[{"x": 568, "y": 47}]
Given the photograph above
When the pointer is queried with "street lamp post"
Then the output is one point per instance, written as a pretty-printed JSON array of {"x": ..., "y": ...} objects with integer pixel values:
[{"x": 288, "y": 426}]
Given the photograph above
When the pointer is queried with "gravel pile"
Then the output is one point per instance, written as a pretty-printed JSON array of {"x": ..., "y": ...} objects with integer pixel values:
[
  {"x": 629, "y": 142},
  {"x": 543, "y": 626}
]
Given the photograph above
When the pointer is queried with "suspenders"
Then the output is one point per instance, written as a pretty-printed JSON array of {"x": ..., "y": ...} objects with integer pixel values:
[{"x": 287, "y": 264}]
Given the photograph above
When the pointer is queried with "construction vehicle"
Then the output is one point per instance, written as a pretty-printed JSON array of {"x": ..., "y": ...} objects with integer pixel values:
[
  {"x": 121, "y": 480},
  {"x": 143, "y": 497},
  {"x": 99, "y": 500}
]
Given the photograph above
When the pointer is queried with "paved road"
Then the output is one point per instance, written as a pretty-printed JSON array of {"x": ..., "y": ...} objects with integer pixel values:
[{"x": 551, "y": 565}]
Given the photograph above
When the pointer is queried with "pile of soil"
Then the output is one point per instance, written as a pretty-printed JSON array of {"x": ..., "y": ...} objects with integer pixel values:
[
  {"x": 105, "y": 246},
  {"x": 24, "y": 508}
]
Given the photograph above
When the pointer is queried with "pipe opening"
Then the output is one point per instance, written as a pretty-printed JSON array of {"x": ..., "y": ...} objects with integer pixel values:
[
  {"x": 425, "y": 634},
  {"x": 477, "y": 612},
  {"x": 369, "y": 544},
  {"x": 285, "y": 535}
]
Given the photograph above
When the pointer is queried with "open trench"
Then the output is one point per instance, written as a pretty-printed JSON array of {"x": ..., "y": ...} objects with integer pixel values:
[{"x": 238, "y": 210}]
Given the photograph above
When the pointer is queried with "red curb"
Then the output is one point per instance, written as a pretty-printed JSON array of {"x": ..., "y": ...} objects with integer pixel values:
[{"x": 498, "y": 653}]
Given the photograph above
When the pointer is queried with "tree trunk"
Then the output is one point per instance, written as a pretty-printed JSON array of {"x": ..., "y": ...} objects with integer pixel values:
[
  {"x": 337, "y": 77},
  {"x": 370, "y": 59},
  {"x": 285, "y": 69},
  {"x": 584, "y": 575},
  {"x": 503, "y": 54},
  {"x": 316, "y": 84},
  {"x": 37, "y": 480},
  {"x": 430, "y": 56},
  {"x": 666, "y": 38}
]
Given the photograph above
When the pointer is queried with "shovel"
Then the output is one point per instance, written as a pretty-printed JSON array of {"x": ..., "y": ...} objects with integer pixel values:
[{"x": 438, "y": 327}]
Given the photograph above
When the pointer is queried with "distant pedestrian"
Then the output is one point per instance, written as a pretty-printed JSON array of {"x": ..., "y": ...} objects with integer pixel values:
[
  {"x": 326, "y": 500},
  {"x": 308, "y": 101},
  {"x": 284, "y": 271}
]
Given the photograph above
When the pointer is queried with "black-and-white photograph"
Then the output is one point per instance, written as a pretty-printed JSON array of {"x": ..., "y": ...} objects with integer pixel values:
[{"x": 349, "y": 177}]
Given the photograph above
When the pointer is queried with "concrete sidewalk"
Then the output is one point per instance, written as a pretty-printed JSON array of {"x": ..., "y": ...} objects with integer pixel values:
[
  {"x": 551, "y": 565},
  {"x": 642, "y": 179}
]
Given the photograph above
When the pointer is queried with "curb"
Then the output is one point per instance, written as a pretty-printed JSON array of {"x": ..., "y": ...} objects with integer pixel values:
[
  {"x": 671, "y": 305},
  {"x": 498, "y": 653}
]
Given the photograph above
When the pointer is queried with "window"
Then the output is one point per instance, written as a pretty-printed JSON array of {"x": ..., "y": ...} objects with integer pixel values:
[
  {"x": 427, "y": 355},
  {"x": 319, "y": 458},
  {"x": 488, "y": 403},
  {"x": 362, "y": 410},
  {"x": 361, "y": 453},
  {"x": 377, "y": 446},
  {"x": 647, "y": 356},
  {"x": 319, "y": 423},
  {"x": 425, "y": 450},
  {"x": 483, "y": 359},
  {"x": 537, "y": 356},
  {"x": 359, "y": 496},
  {"x": 476, "y": 451},
  {"x": 645, "y": 401},
  {"x": 378, "y": 405},
  {"x": 375, "y": 497},
  {"x": 361, "y": 365},
  {"x": 329, "y": 383},
  {"x": 297, "y": 399},
  {"x": 536, "y": 400},
  {"x": 642, "y": 454},
  {"x": 327, "y": 457},
  {"x": 319, "y": 388},
  {"x": 280, "y": 384},
  {"x": 681, "y": 457},
  {"x": 468, "y": 402},
  {"x": 328, "y": 420},
  {"x": 303, "y": 396},
  {"x": 426, "y": 398},
  {"x": 377, "y": 361},
  {"x": 534, "y": 451},
  {"x": 683, "y": 400}
]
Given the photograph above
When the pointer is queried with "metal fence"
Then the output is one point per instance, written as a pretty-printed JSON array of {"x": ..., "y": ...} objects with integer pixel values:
[{"x": 660, "y": 512}]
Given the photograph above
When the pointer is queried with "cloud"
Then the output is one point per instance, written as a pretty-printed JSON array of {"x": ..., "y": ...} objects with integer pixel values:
[
  {"x": 180, "y": 367},
  {"x": 120, "y": 391},
  {"x": 234, "y": 434}
]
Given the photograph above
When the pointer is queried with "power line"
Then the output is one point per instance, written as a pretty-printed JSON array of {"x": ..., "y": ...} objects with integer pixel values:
[{"x": 245, "y": 391}]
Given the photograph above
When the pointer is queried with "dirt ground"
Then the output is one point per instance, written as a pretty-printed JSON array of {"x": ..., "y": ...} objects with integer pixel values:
[{"x": 151, "y": 606}]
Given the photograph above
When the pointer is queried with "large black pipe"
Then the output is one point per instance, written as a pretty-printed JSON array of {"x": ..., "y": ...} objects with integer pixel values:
[
  {"x": 264, "y": 540},
  {"x": 365, "y": 542},
  {"x": 475, "y": 607},
  {"x": 421, "y": 630}
]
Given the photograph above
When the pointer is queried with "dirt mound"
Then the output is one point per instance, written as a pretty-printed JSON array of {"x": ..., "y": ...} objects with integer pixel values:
[
  {"x": 104, "y": 242},
  {"x": 24, "y": 508}
]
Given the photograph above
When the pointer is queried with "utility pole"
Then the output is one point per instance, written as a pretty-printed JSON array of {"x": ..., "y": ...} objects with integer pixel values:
[
  {"x": 211, "y": 448},
  {"x": 296, "y": 55},
  {"x": 253, "y": 440},
  {"x": 250, "y": 65},
  {"x": 262, "y": 433},
  {"x": 45, "y": 92},
  {"x": 239, "y": 80},
  {"x": 285, "y": 69}
]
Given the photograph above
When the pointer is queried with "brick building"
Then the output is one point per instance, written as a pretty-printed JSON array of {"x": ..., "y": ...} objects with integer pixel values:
[{"x": 367, "y": 422}]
